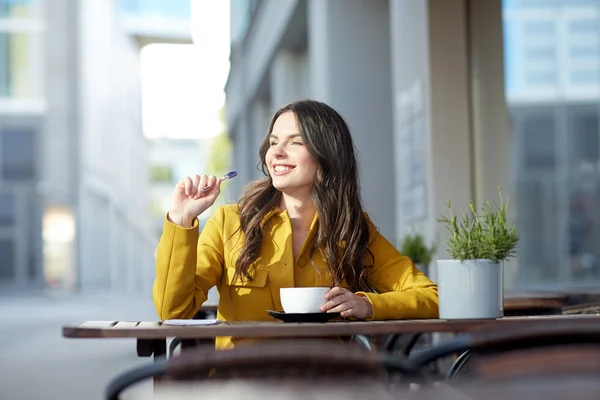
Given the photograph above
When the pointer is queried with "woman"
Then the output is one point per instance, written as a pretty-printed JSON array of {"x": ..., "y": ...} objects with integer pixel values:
[{"x": 301, "y": 226}]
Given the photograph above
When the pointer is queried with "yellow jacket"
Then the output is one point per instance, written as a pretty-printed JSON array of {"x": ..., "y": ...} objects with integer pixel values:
[{"x": 190, "y": 263}]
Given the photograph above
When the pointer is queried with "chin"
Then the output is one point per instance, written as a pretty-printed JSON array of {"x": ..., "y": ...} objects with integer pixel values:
[{"x": 279, "y": 187}]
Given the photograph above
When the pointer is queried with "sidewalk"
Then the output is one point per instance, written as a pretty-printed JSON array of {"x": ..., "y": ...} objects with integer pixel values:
[{"x": 37, "y": 363}]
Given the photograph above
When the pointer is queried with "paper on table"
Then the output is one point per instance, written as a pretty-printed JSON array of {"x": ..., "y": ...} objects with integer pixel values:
[{"x": 191, "y": 322}]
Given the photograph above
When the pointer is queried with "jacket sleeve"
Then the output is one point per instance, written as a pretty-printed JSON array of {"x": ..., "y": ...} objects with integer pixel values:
[
  {"x": 188, "y": 265},
  {"x": 402, "y": 290}
]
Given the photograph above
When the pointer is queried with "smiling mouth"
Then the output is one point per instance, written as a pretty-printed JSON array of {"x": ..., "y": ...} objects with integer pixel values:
[{"x": 282, "y": 169}]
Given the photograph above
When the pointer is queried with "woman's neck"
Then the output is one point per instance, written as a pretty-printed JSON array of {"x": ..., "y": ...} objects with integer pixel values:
[{"x": 300, "y": 211}]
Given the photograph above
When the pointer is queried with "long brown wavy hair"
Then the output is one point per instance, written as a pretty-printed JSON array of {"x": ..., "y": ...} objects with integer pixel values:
[{"x": 343, "y": 233}]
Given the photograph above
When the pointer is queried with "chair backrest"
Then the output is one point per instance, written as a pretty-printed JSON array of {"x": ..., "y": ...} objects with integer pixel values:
[
  {"x": 584, "y": 308},
  {"x": 561, "y": 349},
  {"x": 281, "y": 359},
  {"x": 559, "y": 360},
  {"x": 301, "y": 360}
]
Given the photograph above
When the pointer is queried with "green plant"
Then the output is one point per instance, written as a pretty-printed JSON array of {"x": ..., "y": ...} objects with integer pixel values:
[
  {"x": 414, "y": 247},
  {"x": 484, "y": 235}
]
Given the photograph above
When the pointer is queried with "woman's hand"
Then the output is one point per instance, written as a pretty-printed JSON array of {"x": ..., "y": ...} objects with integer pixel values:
[
  {"x": 188, "y": 201},
  {"x": 347, "y": 303}
]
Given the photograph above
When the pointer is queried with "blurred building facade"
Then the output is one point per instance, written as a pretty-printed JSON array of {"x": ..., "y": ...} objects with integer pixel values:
[
  {"x": 73, "y": 195},
  {"x": 552, "y": 58},
  {"x": 170, "y": 160},
  {"x": 447, "y": 100}
]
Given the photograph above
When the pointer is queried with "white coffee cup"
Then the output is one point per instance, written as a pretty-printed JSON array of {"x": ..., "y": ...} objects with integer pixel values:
[{"x": 303, "y": 299}]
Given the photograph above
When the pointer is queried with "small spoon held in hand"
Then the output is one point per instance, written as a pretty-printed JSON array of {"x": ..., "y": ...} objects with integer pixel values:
[{"x": 228, "y": 175}]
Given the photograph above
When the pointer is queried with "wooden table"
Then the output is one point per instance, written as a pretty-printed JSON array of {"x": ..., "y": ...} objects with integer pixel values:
[
  {"x": 151, "y": 336},
  {"x": 156, "y": 330},
  {"x": 532, "y": 303}
]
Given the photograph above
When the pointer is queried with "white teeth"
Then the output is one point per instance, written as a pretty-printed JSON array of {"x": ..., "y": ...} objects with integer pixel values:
[{"x": 281, "y": 168}]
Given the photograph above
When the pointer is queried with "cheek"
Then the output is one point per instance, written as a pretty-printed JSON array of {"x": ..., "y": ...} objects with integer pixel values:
[
  {"x": 310, "y": 166},
  {"x": 268, "y": 157}
]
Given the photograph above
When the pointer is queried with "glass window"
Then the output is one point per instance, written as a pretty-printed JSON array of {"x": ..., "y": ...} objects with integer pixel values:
[
  {"x": 585, "y": 144},
  {"x": 7, "y": 209},
  {"x": 17, "y": 8},
  {"x": 541, "y": 52},
  {"x": 556, "y": 139},
  {"x": 15, "y": 65},
  {"x": 547, "y": 4},
  {"x": 585, "y": 77},
  {"x": 18, "y": 154},
  {"x": 539, "y": 27},
  {"x": 584, "y": 26},
  {"x": 7, "y": 259},
  {"x": 148, "y": 8},
  {"x": 584, "y": 51},
  {"x": 537, "y": 138},
  {"x": 541, "y": 78}
]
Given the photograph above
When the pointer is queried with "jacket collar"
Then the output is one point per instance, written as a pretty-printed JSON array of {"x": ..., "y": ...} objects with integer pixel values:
[{"x": 277, "y": 211}]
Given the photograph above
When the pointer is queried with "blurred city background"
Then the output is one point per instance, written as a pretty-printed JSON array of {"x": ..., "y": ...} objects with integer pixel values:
[{"x": 105, "y": 104}]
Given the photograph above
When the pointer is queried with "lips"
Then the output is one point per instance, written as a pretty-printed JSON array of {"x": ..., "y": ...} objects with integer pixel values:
[{"x": 280, "y": 169}]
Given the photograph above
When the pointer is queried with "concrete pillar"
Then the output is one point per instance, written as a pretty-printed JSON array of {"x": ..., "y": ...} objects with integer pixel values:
[
  {"x": 432, "y": 138},
  {"x": 349, "y": 64},
  {"x": 58, "y": 155},
  {"x": 288, "y": 77},
  {"x": 242, "y": 157},
  {"x": 260, "y": 123},
  {"x": 491, "y": 131},
  {"x": 451, "y": 142},
  {"x": 449, "y": 99}
]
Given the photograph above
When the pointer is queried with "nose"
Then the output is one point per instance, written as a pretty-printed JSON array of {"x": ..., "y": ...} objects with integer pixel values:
[{"x": 278, "y": 151}]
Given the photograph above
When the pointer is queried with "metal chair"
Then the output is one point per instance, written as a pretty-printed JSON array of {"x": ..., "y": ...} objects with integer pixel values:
[
  {"x": 583, "y": 308},
  {"x": 277, "y": 362},
  {"x": 187, "y": 343},
  {"x": 506, "y": 353}
]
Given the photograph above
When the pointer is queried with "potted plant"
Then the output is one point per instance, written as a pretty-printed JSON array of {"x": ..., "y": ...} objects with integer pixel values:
[
  {"x": 414, "y": 247},
  {"x": 470, "y": 284}
]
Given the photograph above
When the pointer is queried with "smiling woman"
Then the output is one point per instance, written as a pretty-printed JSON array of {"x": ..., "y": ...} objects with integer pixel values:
[
  {"x": 303, "y": 225},
  {"x": 289, "y": 162}
]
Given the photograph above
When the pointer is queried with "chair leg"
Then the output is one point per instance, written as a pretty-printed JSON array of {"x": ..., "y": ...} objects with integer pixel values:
[
  {"x": 412, "y": 341},
  {"x": 457, "y": 365},
  {"x": 173, "y": 345},
  {"x": 365, "y": 341},
  {"x": 391, "y": 342}
]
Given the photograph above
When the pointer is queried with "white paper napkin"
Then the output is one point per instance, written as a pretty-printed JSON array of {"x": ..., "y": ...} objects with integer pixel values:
[{"x": 191, "y": 322}]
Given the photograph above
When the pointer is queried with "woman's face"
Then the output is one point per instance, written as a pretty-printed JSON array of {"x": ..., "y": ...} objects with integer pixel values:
[{"x": 290, "y": 165}]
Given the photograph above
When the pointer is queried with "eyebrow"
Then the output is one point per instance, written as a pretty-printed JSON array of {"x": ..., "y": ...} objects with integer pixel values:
[{"x": 291, "y": 136}]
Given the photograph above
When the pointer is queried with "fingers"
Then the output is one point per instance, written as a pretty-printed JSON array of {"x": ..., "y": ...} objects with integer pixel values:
[
  {"x": 216, "y": 188},
  {"x": 347, "y": 308},
  {"x": 347, "y": 304},
  {"x": 212, "y": 181},
  {"x": 335, "y": 297},
  {"x": 185, "y": 185},
  {"x": 208, "y": 184},
  {"x": 198, "y": 185},
  {"x": 196, "y": 182},
  {"x": 336, "y": 291}
]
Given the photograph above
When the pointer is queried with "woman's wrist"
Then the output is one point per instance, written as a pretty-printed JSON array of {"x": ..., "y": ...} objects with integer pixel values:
[{"x": 180, "y": 219}]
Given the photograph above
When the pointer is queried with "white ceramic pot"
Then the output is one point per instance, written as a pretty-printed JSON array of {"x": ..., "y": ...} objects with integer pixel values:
[{"x": 470, "y": 289}]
